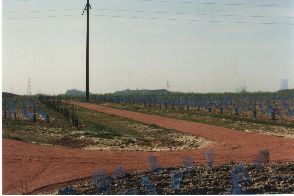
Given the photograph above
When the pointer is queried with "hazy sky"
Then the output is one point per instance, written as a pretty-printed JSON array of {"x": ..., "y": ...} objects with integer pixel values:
[{"x": 196, "y": 45}]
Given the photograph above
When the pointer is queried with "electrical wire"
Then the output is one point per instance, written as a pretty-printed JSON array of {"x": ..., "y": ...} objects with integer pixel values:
[
  {"x": 164, "y": 13},
  {"x": 157, "y": 18},
  {"x": 193, "y": 20},
  {"x": 186, "y": 13},
  {"x": 38, "y": 17}
]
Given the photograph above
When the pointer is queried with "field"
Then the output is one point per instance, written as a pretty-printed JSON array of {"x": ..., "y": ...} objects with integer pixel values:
[
  {"x": 232, "y": 122},
  {"x": 54, "y": 142},
  {"x": 270, "y": 179},
  {"x": 256, "y": 107},
  {"x": 99, "y": 131},
  {"x": 148, "y": 97}
]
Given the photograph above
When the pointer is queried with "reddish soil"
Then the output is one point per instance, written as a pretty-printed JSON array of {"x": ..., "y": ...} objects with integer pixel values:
[{"x": 41, "y": 166}]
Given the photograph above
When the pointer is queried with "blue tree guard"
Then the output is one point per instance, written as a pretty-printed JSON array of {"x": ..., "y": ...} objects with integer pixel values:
[
  {"x": 209, "y": 156},
  {"x": 119, "y": 172},
  {"x": 236, "y": 188},
  {"x": 175, "y": 181},
  {"x": 290, "y": 113},
  {"x": 67, "y": 191},
  {"x": 188, "y": 163},
  {"x": 42, "y": 114},
  {"x": 102, "y": 182},
  {"x": 28, "y": 114},
  {"x": 261, "y": 158},
  {"x": 148, "y": 186},
  {"x": 154, "y": 163},
  {"x": 11, "y": 109},
  {"x": 239, "y": 174},
  {"x": 264, "y": 155}
]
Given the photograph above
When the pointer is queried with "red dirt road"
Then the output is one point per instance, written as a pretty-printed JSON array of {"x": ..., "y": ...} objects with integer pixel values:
[
  {"x": 42, "y": 166},
  {"x": 229, "y": 144}
]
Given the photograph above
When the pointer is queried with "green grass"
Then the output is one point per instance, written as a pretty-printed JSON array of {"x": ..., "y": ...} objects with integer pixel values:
[
  {"x": 13, "y": 125},
  {"x": 14, "y": 137},
  {"x": 99, "y": 130},
  {"x": 22, "y": 136}
]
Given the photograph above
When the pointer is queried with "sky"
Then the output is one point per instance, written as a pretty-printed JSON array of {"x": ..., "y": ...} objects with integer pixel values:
[{"x": 195, "y": 45}]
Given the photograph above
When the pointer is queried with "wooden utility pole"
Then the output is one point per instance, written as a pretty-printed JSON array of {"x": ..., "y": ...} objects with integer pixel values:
[{"x": 87, "y": 8}]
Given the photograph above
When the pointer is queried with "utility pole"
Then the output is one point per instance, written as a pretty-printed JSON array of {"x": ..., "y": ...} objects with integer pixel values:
[
  {"x": 87, "y": 8},
  {"x": 167, "y": 85},
  {"x": 29, "y": 87}
]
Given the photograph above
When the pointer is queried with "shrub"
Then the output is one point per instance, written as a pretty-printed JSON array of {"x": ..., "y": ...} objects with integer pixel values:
[
  {"x": 154, "y": 163},
  {"x": 119, "y": 172},
  {"x": 102, "y": 182},
  {"x": 176, "y": 179},
  {"x": 148, "y": 186},
  {"x": 188, "y": 163},
  {"x": 209, "y": 156}
]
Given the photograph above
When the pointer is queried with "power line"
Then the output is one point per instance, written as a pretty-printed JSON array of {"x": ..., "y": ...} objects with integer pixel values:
[
  {"x": 152, "y": 12},
  {"x": 210, "y": 3},
  {"x": 218, "y": 20},
  {"x": 199, "y": 13},
  {"x": 189, "y": 2},
  {"x": 29, "y": 87},
  {"x": 38, "y": 17},
  {"x": 177, "y": 13},
  {"x": 39, "y": 11},
  {"x": 160, "y": 18},
  {"x": 15, "y": 0},
  {"x": 194, "y": 20}
]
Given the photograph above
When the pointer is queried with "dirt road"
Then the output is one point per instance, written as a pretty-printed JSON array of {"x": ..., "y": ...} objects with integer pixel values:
[
  {"x": 40, "y": 166},
  {"x": 229, "y": 144}
]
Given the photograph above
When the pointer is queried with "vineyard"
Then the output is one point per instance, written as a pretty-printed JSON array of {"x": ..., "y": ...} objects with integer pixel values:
[
  {"x": 147, "y": 97},
  {"x": 277, "y": 106},
  {"x": 58, "y": 122},
  {"x": 109, "y": 140},
  {"x": 231, "y": 178},
  {"x": 20, "y": 108},
  {"x": 259, "y": 177}
]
